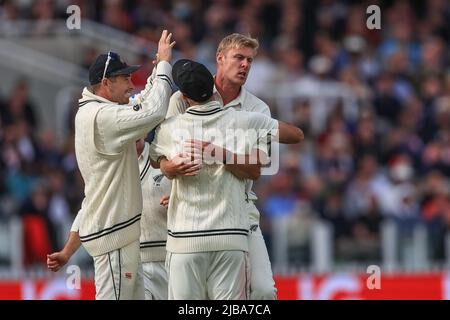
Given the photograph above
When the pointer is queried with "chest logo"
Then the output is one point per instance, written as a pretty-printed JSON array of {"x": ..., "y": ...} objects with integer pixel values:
[{"x": 157, "y": 179}]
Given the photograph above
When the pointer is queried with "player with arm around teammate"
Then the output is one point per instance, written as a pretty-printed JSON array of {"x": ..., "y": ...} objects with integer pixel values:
[
  {"x": 207, "y": 229},
  {"x": 234, "y": 57}
]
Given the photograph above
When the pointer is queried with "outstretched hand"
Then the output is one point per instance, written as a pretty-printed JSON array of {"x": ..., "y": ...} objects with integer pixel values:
[{"x": 164, "y": 47}]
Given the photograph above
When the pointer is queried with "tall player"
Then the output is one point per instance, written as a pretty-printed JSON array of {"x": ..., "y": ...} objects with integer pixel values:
[
  {"x": 207, "y": 228},
  {"x": 234, "y": 58}
]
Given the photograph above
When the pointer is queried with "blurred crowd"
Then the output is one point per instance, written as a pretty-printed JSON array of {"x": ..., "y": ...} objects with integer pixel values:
[{"x": 374, "y": 106}]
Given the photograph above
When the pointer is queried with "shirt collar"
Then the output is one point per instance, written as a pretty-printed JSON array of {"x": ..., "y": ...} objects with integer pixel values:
[
  {"x": 237, "y": 103},
  {"x": 205, "y": 107},
  {"x": 88, "y": 95}
]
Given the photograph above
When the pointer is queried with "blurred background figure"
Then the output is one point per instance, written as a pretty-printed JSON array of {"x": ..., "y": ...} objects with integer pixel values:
[{"x": 369, "y": 185}]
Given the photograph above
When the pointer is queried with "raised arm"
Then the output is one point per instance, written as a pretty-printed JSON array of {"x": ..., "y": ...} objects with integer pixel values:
[{"x": 121, "y": 124}]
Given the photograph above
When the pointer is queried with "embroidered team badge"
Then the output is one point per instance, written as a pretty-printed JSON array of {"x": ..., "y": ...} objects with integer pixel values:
[{"x": 157, "y": 179}]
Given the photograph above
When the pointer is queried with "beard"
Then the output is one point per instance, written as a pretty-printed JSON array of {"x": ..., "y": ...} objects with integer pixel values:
[{"x": 124, "y": 98}]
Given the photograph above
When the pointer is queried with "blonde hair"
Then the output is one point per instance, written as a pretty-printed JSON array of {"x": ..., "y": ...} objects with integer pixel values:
[{"x": 237, "y": 41}]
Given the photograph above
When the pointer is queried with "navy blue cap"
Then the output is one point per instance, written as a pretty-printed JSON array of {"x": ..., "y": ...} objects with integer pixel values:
[
  {"x": 193, "y": 79},
  {"x": 116, "y": 66}
]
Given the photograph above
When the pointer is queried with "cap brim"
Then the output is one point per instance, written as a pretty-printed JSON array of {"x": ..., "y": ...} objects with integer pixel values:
[{"x": 126, "y": 70}]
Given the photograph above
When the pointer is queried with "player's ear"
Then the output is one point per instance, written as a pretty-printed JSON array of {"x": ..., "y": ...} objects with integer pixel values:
[
  {"x": 219, "y": 57},
  {"x": 188, "y": 101},
  {"x": 105, "y": 82}
]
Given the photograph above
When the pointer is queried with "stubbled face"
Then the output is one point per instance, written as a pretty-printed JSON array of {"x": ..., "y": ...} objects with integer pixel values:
[
  {"x": 121, "y": 88},
  {"x": 234, "y": 65}
]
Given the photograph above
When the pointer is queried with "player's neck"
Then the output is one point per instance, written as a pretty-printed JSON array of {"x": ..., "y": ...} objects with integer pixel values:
[
  {"x": 227, "y": 90},
  {"x": 102, "y": 92}
]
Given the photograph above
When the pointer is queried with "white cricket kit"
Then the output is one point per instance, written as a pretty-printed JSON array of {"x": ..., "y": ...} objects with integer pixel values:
[
  {"x": 206, "y": 212},
  {"x": 153, "y": 228},
  {"x": 244, "y": 102},
  {"x": 105, "y": 135},
  {"x": 262, "y": 286}
]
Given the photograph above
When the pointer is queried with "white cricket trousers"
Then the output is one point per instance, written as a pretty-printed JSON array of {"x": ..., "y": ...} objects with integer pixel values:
[
  {"x": 156, "y": 283},
  {"x": 118, "y": 274},
  {"x": 213, "y": 275},
  {"x": 262, "y": 284}
]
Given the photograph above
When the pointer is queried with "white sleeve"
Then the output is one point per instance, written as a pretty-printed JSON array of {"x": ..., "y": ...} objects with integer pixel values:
[
  {"x": 76, "y": 223},
  {"x": 120, "y": 124},
  {"x": 262, "y": 123},
  {"x": 257, "y": 105},
  {"x": 159, "y": 145},
  {"x": 266, "y": 127},
  {"x": 265, "y": 109},
  {"x": 136, "y": 99},
  {"x": 176, "y": 105}
]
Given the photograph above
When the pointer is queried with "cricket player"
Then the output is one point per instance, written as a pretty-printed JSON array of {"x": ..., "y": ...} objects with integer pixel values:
[
  {"x": 234, "y": 58},
  {"x": 106, "y": 129},
  {"x": 155, "y": 193},
  {"x": 207, "y": 229}
]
